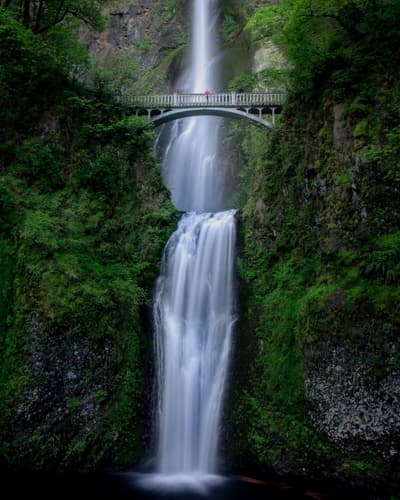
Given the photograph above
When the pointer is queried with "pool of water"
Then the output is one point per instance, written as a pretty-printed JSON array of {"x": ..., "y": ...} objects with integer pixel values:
[{"x": 134, "y": 486}]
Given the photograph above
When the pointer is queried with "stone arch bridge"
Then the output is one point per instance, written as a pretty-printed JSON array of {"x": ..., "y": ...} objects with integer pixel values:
[{"x": 258, "y": 108}]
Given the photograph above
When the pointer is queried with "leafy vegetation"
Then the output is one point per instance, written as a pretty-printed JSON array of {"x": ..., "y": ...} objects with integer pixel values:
[
  {"x": 83, "y": 220},
  {"x": 319, "y": 232},
  {"x": 116, "y": 71},
  {"x": 330, "y": 41},
  {"x": 42, "y": 16}
]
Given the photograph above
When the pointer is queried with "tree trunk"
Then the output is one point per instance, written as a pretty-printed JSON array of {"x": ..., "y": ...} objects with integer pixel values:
[
  {"x": 26, "y": 13},
  {"x": 39, "y": 16}
]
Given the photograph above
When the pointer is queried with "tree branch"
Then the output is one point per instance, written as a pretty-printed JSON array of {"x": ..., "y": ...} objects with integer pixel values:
[
  {"x": 49, "y": 26},
  {"x": 339, "y": 19},
  {"x": 83, "y": 18},
  {"x": 39, "y": 16},
  {"x": 58, "y": 13}
]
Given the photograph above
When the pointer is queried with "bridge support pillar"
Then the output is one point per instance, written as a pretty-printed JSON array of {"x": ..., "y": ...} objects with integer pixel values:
[{"x": 273, "y": 115}]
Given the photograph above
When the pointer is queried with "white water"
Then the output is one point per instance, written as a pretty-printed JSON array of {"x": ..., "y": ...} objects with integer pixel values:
[
  {"x": 194, "y": 304},
  {"x": 190, "y": 163}
]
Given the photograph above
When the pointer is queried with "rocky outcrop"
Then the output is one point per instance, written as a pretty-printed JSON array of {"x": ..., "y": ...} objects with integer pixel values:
[
  {"x": 70, "y": 379},
  {"x": 149, "y": 34},
  {"x": 353, "y": 396}
]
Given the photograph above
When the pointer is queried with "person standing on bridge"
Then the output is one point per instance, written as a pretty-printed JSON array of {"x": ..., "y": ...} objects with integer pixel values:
[{"x": 207, "y": 93}]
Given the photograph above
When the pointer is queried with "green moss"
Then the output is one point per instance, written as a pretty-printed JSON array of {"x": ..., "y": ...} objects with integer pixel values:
[
  {"x": 164, "y": 72},
  {"x": 361, "y": 129},
  {"x": 74, "y": 405},
  {"x": 7, "y": 273},
  {"x": 78, "y": 258},
  {"x": 316, "y": 267}
]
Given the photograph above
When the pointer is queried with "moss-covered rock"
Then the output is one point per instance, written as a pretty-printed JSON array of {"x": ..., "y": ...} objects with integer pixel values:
[
  {"x": 142, "y": 47},
  {"x": 84, "y": 218},
  {"x": 316, "y": 371}
]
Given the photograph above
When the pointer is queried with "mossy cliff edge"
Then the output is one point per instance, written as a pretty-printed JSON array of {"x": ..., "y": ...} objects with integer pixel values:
[
  {"x": 316, "y": 371},
  {"x": 84, "y": 217}
]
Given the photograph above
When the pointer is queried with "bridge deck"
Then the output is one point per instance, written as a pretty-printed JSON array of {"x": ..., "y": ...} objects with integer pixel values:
[{"x": 226, "y": 100}]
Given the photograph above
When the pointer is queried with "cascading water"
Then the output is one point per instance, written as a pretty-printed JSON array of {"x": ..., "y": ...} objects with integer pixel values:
[
  {"x": 194, "y": 322},
  {"x": 190, "y": 164},
  {"x": 194, "y": 305}
]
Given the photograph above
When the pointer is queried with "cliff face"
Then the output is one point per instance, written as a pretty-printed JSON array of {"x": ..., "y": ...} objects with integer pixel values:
[
  {"x": 81, "y": 264},
  {"x": 317, "y": 368},
  {"x": 84, "y": 217},
  {"x": 353, "y": 395},
  {"x": 79, "y": 261},
  {"x": 142, "y": 47}
]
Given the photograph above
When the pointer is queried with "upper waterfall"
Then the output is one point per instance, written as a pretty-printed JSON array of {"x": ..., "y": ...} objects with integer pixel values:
[
  {"x": 190, "y": 164},
  {"x": 203, "y": 71}
]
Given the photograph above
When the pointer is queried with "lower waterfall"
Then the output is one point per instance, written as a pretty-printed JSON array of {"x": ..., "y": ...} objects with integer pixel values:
[{"x": 194, "y": 316}]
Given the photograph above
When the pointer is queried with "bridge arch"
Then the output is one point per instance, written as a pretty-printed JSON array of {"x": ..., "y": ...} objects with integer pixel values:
[
  {"x": 165, "y": 108},
  {"x": 175, "y": 114}
]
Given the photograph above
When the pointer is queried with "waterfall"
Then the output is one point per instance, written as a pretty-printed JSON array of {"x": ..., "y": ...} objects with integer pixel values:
[
  {"x": 194, "y": 305},
  {"x": 194, "y": 301},
  {"x": 190, "y": 164}
]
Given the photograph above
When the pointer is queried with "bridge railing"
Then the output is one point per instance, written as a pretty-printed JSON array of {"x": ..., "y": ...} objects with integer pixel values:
[{"x": 231, "y": 99}]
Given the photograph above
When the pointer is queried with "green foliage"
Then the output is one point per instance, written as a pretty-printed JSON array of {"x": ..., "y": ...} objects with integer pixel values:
[
  {"x": 7, "y": 270},
  {"x": 273, "y": 79},
  {"x": 124, "y": 421},
  {"x": 265, "y": 21},
  {"x": 118, "y": 70},
  {"x": 102, "y": 174},
  {"x": 41, "y": 163},
  {"x": 32, "y": 74},
  {"x": 329, "y": 39},
  {"x": 68, "y": 52},
  {"x": 85, "y": 268},
  {"x": 230, "y": 27},
  {"x": 19, "y": 52},
  {"x": 6, "y": 203},
  {"x": 383, "y": 260},
  {"x": 58, "y": 48},
  {"x": 244, "y": 82},
  {"x": 84, "y": 218},
  {"x": 133, "y": 132},
  {"x": 319, "y": 247},
  {"x": 101, "y": 395},
  {"x": 74, "y": 405},
  {"x": 40, "y": 16},
  {"x": 313, "y": 321}
]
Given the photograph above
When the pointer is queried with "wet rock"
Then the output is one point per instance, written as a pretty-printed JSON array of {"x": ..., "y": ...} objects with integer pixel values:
[
  {"x": 348, "y": 402},
  {"x": 59, "y": 404}
]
